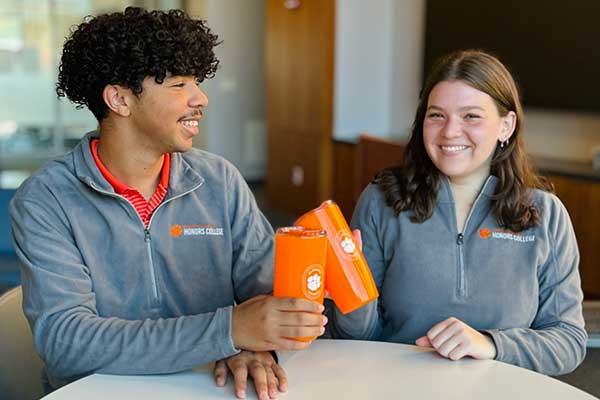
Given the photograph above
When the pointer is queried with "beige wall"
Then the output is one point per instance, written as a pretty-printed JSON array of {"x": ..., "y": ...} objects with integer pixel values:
[
  {"x": 196, "y": 9},
  {"x": 233, "y": 122},
  {"x": 564, "y": 135}
]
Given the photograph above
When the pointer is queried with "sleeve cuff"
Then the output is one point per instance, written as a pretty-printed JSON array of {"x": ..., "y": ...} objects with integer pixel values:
[
  {"x": 495, "y": 335},
  {"x": 227, "y": 332}
]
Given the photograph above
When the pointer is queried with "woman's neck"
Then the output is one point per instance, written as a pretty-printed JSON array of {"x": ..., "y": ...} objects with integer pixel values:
[{"x": 465, "y": 191}]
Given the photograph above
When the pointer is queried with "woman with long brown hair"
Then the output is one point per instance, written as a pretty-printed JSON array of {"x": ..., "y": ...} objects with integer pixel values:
[{"x": 472, "y": 254}]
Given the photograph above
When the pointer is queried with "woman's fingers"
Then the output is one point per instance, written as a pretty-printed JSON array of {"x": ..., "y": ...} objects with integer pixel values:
[
  {"x": 454, "y": 339},
  {"x": 423, "y": 341}
]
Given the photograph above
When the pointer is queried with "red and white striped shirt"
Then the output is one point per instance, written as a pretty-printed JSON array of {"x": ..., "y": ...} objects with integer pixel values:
[{"x": 144, "y": 208}]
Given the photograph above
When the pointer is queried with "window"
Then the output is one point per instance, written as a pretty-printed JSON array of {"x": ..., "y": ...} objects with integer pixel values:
[{"x": 34, "y": 124}]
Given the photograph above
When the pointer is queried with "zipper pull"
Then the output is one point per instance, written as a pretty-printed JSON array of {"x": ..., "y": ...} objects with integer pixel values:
[
  {"x": 459, "y": 239},
  {"x": 146, "y": 234}
]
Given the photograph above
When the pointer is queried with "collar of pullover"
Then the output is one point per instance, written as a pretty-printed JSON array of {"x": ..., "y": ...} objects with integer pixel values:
[
  {"x": 182, "y": 176},
  {"x": 445, "y": 193}
]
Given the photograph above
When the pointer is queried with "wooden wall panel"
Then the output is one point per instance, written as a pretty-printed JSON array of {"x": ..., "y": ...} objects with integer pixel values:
[
  {"x": 282, "y": 194},
  {"x": 373, "y": 155},
  {"x": 582, "y": 200},
  {"x": 361, "y": 161},
  {"x": 299, "y": 80},
  {"x": 344, "y": 176}
]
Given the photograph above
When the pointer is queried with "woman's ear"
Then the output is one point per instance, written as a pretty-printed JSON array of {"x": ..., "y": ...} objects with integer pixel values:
[
  {"x": 507, "y": 126},
  {"x": 117, "y": 99}
]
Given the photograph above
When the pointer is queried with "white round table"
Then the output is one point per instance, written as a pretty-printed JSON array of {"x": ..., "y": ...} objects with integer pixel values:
[{"x": 332, "y": 369}]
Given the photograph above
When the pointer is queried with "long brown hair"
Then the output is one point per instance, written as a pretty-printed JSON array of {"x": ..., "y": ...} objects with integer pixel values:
[{"x": 415, "y": 186}]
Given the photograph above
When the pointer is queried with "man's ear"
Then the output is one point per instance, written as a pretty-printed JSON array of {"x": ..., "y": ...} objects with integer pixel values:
[{"x": 118, "y": 99}]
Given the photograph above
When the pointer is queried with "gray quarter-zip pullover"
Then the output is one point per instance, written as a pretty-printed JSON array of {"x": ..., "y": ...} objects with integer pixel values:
[
  {"x": 521, "y": 288},
  {"x": 104, "y": 294}
]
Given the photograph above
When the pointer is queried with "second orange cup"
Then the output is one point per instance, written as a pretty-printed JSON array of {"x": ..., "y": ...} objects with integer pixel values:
[{"x": 349, "y": 280}]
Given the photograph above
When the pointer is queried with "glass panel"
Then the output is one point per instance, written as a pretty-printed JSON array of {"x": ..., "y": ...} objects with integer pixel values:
[{"x": 34, "y": 124}]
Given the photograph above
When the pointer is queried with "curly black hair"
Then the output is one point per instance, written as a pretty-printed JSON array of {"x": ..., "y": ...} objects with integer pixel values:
[{"x": 124, "y": 48}]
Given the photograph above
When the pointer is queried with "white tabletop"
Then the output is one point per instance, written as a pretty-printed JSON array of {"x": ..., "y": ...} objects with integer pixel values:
[{"x": 345, "y": 369}]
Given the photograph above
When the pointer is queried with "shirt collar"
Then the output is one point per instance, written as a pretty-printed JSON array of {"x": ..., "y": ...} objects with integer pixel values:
[
  {"x": 445, "y": 191},
  {"x": 119, "y": 186}
]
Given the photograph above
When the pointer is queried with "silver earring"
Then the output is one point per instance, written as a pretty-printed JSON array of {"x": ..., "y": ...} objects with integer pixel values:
[{"x": 503, "y": 143}]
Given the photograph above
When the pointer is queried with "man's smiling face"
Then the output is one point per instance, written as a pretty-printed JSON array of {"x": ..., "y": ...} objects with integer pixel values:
[{"x": 168, "y": 114}]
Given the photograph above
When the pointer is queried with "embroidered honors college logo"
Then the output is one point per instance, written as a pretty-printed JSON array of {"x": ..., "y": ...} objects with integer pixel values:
[
  {"x": 313, "y": 281},
  {"x": 485, "y": 233},
  {"x": 195, "y": 230}
]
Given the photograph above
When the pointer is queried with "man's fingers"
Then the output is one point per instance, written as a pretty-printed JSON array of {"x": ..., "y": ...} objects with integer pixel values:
[
  {"x": 357, "y": 238},
  {"x": 256, "y": 321},
  {"x": 240, "y": 377},
  {"x": 281, "y": 377},
  {"x": 220, "y": 373},
  {"x": 259, "y": 375},
  {"x": 301, "y": 331},
  {"x": 301, "y": 319},
  {"x": 263, "y": 370},
  {"x": 294, "y": 304},
  {"x": 255, "y": 299},
  {"x": 272, "y": 382},
  {"x": 290, "y": 344}
]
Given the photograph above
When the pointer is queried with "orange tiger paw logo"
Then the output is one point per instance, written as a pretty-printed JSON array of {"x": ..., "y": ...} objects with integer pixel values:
[
  {"x": 176, "y": 230},
  {"x": 485, "y": 233}
]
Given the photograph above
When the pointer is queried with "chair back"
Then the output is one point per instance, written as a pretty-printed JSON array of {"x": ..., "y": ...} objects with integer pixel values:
[
  {"x": 6, "y": 246},
  {"x": 20, "y": 366},
  {"x": 9, "y": 266}
]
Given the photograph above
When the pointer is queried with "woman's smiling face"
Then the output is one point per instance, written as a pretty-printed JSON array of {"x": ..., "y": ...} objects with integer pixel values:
[{"x": 461, "y": 129}]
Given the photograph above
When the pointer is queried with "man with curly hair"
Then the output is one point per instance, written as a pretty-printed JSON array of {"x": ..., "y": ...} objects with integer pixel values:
[{"x": 140, "y": 254}]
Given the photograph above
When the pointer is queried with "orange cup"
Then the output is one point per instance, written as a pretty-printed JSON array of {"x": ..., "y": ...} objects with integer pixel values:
[
  {"x": 300, "y": 264},
  {"x": 348, "y": 279}
]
